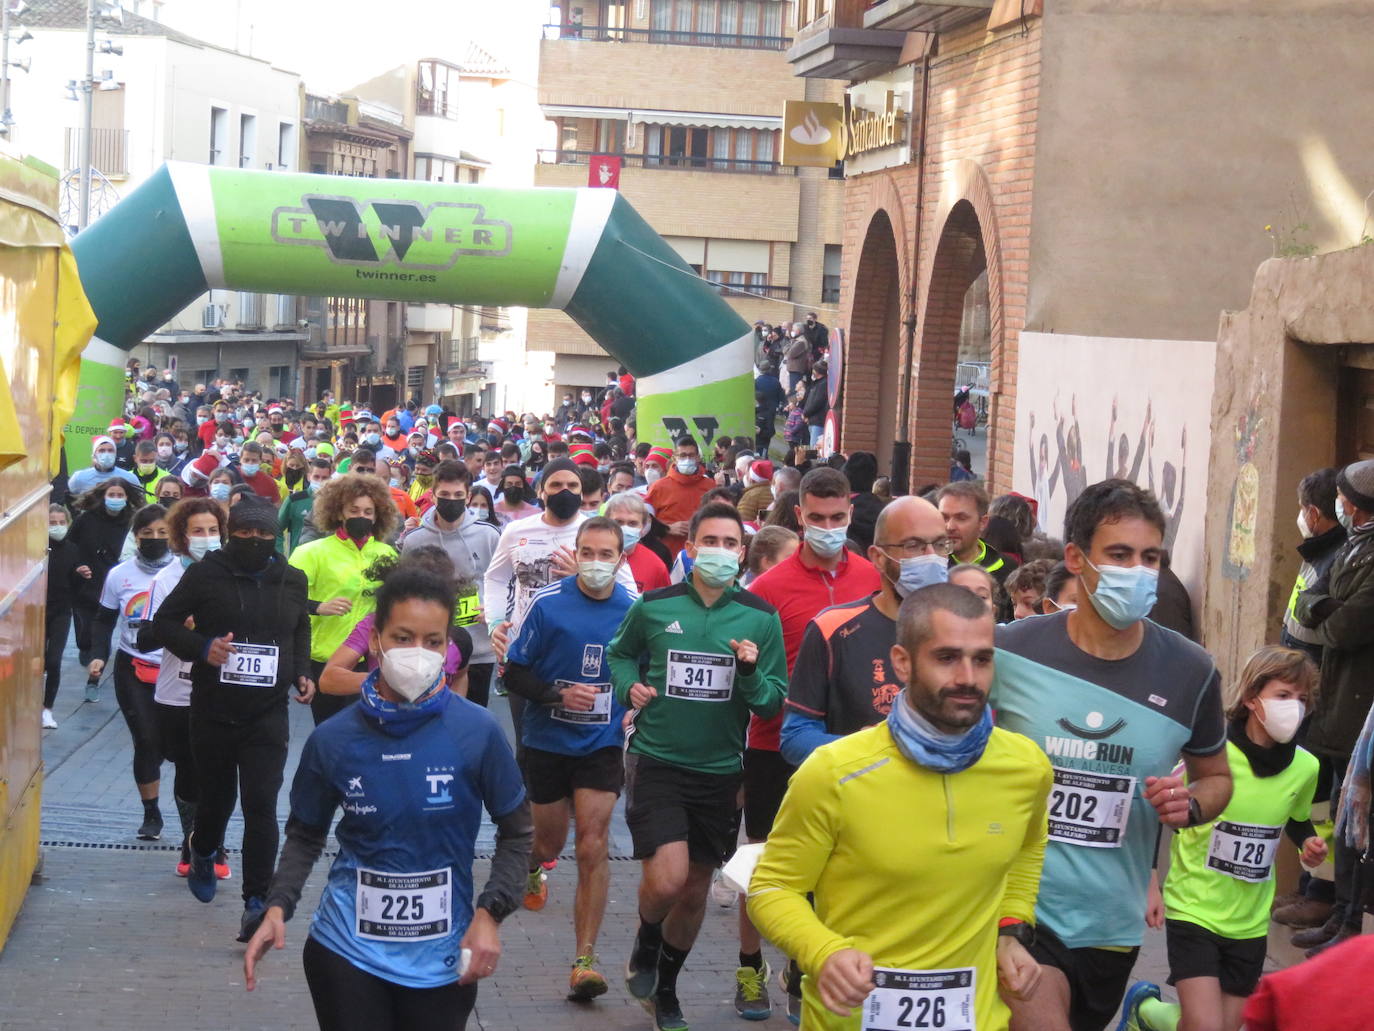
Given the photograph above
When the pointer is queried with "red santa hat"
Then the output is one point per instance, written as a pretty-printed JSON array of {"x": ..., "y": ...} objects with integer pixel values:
[
  {"x": 760, "y": 471},
  {"x": 581, "y": 454},
  {"x": 660, "y": 456},
  {"x": 574, "y": 431},
  {"x": 499, "y": 425},
  {"x": 198, "y": 471},
  {"x": 118, "y": 424}
]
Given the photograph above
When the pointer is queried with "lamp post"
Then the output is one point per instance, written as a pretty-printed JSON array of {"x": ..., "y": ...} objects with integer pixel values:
[{"x": 6, "y": 13}]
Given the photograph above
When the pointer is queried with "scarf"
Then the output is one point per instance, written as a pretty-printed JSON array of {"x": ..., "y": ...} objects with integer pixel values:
[
  {"x": 924, "y": 745},
  {"x": 152, "y": 567},
  {"x": 1264, "y": 762},
  {"x": 397, "y": 719},
  {"x": 1352, "y": 818}
]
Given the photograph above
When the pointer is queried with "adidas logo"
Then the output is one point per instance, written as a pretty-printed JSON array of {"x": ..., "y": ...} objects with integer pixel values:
[{"x": 673, "y": 628}]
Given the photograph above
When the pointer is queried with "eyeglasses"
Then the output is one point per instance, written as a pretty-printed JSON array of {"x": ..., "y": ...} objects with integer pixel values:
[{"x": 913, "y": 547}]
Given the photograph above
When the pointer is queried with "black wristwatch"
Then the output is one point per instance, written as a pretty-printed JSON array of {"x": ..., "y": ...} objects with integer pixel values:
[
  {"x": 1194, "y": 812},
  {"x": 1021, "y": 931}
]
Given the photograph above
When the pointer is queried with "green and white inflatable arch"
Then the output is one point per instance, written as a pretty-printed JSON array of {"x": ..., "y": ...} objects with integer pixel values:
[{"x": 191, "y": 227}]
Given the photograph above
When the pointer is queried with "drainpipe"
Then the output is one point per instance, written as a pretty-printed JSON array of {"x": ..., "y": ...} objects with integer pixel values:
[{"x": 900, "y": 476}]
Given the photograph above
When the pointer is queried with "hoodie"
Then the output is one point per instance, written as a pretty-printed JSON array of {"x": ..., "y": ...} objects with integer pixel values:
[{"x": 470, "y": 546}]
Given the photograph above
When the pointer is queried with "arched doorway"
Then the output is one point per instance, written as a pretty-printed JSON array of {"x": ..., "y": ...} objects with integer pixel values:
[
  {"x": 956, "y": 349},
  {"x": 873, "y": 365}
]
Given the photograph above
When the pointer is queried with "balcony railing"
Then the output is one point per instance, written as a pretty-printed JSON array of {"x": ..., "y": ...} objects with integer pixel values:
[
  {"x": 672, "y": 37},
  {"x": 109, "y": 150},
  {"x": 776, "y": 293},
  {"x": 672, "y": 162},
  {"x": 322, "y": 109},
  {"x": 462, "y": 353}
]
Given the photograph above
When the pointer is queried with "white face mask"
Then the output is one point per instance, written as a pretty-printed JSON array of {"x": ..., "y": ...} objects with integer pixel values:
[
  {"x": 1281, "y": 717},
  {"x": 1303, "y": 528},
  {"x": 412, "y": 672},
  {"x": 651, "y": 473}
]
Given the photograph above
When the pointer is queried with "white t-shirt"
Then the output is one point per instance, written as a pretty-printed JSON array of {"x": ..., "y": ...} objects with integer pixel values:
[
  {"x": 126, "y": 591},
  {"x": 174, "y": 676},
  {"x": 523, "y": 565}
]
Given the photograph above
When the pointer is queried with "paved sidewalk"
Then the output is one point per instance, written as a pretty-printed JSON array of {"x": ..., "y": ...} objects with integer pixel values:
[{"x": 112, "y": 939}]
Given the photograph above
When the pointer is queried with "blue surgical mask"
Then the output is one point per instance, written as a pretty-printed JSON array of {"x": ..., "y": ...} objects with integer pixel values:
[
  {"x": 115, "y": 505},
  {"x": 315, "y": 486},
  {"x": 104, "y": 460},
  {"x": 686, "y": 466},
  {"x": 1125, "y": 594},
  {"x": 631, "y": 535},
  {"x": 249, "y": 468},
  {"x": 921, "y": 571},
  {"x": 1342, "y": 516},
  {"x": 395, "y": 483},
  {"x": 372, "y": 439},
  {"x": 219, "y": 491},
  {"x": 199, "y": 547},
  {"x": 827, "y": 542},
  {"x": 718, "y": 566},
  {"x": 597, "y": 576}
]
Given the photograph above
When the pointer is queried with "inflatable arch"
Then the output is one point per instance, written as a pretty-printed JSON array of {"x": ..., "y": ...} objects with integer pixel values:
[{"x": 193, "y": 227}]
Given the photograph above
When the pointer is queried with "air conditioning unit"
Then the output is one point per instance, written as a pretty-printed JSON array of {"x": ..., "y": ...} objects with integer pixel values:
[{"x": 212, "y": 317}]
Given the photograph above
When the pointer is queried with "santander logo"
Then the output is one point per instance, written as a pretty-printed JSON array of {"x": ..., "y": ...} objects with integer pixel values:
[{"x": 810, "y": 132}]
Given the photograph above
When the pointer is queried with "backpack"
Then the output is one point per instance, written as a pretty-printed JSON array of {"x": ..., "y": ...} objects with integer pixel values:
[{"x": 968, "y": 416}]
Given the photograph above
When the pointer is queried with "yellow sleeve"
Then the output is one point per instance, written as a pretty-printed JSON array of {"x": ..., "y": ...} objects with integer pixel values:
[
  {"x": 797, "y": 852},
  {"x": 1023, "y": 878}
]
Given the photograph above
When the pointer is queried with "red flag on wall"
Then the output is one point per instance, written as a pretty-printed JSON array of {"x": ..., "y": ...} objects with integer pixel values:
[{"x": 604, "y": 170}]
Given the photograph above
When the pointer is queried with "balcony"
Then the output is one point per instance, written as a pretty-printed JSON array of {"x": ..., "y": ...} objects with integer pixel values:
[
  {"x": 109, "y": 150},
  {"x": 250, "y": 314},
  {"x": 670, "y": 37},
  {"x": 670, "y": 162},
  {"x": 918, "y": 16},
  {"x": 861, "y": 39}
]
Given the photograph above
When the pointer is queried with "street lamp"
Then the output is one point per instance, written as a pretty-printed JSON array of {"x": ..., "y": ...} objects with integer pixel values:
[
  {"x": 9, "y": 10},
  {"x": 107, "y": 9}
]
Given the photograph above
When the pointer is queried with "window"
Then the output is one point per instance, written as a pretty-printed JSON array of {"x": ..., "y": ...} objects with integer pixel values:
[
  {"x": 415, "y": 380},
  {"x": 239, "y": 376},
  {"x": 437, "y": 90},
  {"x": 286, "y": 145},
  {"x": 474, "y": 175},
  {"x": 431, "y": 168},
  {"x": 248, "y": 140},
  {"x": 219, "y": 135},
  {"x": 279, "y": 381},
  {"x": 730, "y": 23},
  {"x": 719, "y": 150},
  {"x": 610, "y": 136},
  {"x": 830, "y": 279}
]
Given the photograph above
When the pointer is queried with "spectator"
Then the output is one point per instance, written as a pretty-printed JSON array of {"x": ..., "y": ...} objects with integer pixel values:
[
  {"x": 797, "y": 357},
  {"x": 861, "y": 469}
]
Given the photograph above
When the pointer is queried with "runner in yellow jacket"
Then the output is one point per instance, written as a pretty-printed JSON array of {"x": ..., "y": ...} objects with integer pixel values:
[{"x": 922, "y": 840}]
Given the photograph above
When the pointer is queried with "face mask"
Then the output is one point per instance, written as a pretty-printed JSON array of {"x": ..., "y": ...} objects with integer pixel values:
[
  {"x": 164, "y": 451},
  {"x": 104, "y": 460},
  {"x": 921, "y": 571},
  {"x": 115, "y": 505},
  {"x": 293, "y": 476},
  {"x": 450, "y": 509},
  {"x": 1282, "y": 717},
  {"x": 201, "y": 420},
  {"x": 412, "y": 672},
  {"x": 153, "y": 548},
  {"x": 221, "y": 417},
  {"x": 596, "y": 576},
  {"x": 199, "y": 547},
  {"x": 146, "y": 468},
  {"x": 219, "y": 491},
  {"x": 1342, "y": 516},
  {"x": 514, "y": 494},
  {"x": 424, "y": 479},
  {"x": 251, "y": 554},
  {"x": 827, "y": 542},
  {"x": 586, "y": 398},
  {"x": 563, "y": 504},
  {"x": 1303, "y": 528},
  {"x": 395, "y": 483},
  {"x": 718, "y": 566},
  {"x": 315, "y": 486},
  {"x": 57, "y": 532},
  {"x": 182, "y": 445},
  {"x": 310, "y": 453},
  {"x": 480, "y": 513},
  {"x": 249, "y": 468},
  {"x": 373, "y": 439},
  {"x": 651, "y": 473},
  {"x": 358, "y": 527},
  {"x": 686, "y": 466},
  {"x": 631, "y": 535},
  {"x": 168, "y": 500},
  {"x": 1125, "y": 594}
]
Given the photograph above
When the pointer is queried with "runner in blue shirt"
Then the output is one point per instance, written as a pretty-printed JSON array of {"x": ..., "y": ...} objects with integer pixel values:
[
  {"x": 396, "y": 941},
  {"x": 573, "y": 730}
]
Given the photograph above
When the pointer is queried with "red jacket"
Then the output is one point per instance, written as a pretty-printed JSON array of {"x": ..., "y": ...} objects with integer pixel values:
[
  {"x": 263, "y": 485},
  {"x": 648, "y": 569},
  {"x": 799, "y": 592},
  {"x": 1330, "y": 992}
]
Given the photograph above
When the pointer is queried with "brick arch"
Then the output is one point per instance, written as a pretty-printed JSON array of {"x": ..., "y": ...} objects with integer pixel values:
[{"x": 968, "y": 240}]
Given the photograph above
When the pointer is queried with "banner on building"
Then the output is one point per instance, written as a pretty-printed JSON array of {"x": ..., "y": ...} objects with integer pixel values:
[
  {"x": 1155, "y": 430},
  {"x": 604, "y": 171},
  {"x": 812, "y": 133}
]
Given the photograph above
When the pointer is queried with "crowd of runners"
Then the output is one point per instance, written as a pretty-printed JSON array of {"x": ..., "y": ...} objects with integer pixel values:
[{"x": 942, "y": 747}]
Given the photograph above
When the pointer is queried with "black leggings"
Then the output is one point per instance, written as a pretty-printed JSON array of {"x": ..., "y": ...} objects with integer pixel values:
[
  {"x": 349, "y": 999},
  {"x": 135, "y": 700},
  {"x": 322, "y": 706},
  {"x": 83, "y": 613},
  {"x": 247, "y": 759},
  {"x": 174, "y": 729},
  {"x": 58, "y": 629},
  {"x": 479, "y": 682}
]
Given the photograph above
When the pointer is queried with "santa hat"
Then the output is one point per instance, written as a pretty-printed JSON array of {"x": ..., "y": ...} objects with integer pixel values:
[
  {"x": 201, "y": 468},
  {"x": 274, "y": 410},
  {"x": 118, "y": 424},
  {"x": 660, "y": 456},
  {"x": 363, "y": 415},
  {"x": 760, "y": 471},
  {"x": 582, "y": 454},
  {"x": 499, "y": 425},
  {"x": 102, "y": 439},
  {"x": 576, "y": 430},
  {"x": 345, "y": 416}
]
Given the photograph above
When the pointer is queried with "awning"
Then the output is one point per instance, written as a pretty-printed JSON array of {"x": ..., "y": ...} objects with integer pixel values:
[{"x": 653, "y": 117}]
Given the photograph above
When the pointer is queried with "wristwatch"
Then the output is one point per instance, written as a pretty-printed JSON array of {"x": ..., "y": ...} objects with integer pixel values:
[
  {"x": 1194, "y": 812},
  {"x": 1019, "y": 930}
]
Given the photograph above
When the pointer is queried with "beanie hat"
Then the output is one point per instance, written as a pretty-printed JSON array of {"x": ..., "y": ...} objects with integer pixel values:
[
  {"x": 252, "y": 513},
  {"x": 661, "y": 456},
  {"x": 557, "y": 465},
  {"x": 1356, "y": 482},
  {"x": 582, "y": 454},
  {"x": 102, "y": 439},
  {"x": 345, "y": 416},
  {"x": 760, "y": 471},
  {"x": 573, "y": 430},
  {"x": 324, "y": 449}
]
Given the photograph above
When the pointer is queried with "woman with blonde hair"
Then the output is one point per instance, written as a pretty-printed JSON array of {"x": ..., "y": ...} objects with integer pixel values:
[{"x": 356, "y": 516}]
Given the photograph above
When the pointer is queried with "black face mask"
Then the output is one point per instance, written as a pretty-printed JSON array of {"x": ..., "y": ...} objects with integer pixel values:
[
  {"x": 153, "y": 548},
  {"x": 564, "y": 504},
  {"x": 450, "y": 509},
  {"x": 251, "y": 554},
  {"x": 514, "y": 494},
  {"x": 358, "y": 527},
  {"x": 293, "y": 476}
]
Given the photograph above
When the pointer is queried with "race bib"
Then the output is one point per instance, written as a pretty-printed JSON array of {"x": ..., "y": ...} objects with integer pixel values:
[
  {"x": 250, "y": 665},
  {"x": 184, "y": 672},
  {"x": 601, "y": 707},
  {"x": 1090, "y": 808},
  {"x": 905, "y": 1000},
  {"x": 1244, "y": 851},
  {"x": 701, "y": 676},
  {"x": 404, "y": 906},
  {"x": 468, "y": 610}
]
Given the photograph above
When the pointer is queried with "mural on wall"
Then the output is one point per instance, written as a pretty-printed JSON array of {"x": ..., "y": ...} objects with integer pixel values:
[
  {"x": 1093, "y": 408},
  {"x": 1239, "y": 556}
]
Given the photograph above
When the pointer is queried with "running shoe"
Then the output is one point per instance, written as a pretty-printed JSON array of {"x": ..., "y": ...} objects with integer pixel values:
[
  {"x": 789, "y": 980},
  {"x": 93, "y": 689},
  {"x": 724, "y": 895},
  {"x": 668, "y": 1013},
  {"x": 48, "y": 722},
  {"x": 151, "y": 827},
  {"x": 201, "y": 877},
  {"x": 222, "y": 871},
  {"x": 585, "y": 982},
  {"x": 751, "y": 993},
  {"x": 184, "y": 863},
  {"x": 536, "y": 890},
  {"x": 1130, "y": 1006},
  {"x": 641, "y": 973},
  {"x": 251, "y": 920}
]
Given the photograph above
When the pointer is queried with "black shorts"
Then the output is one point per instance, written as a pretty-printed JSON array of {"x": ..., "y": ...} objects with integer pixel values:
[
  {"x": 552, "y": 776},
  {"x": 666, "y": 803},
  {"x": 765, "y": 782},
  {"x": 1196, "y": 952},
  {"x": 1097, "y": 978}
]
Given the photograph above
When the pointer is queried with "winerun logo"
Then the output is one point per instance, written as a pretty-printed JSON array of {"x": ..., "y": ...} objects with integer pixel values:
[
  {"x": 1095, "y": 751},
  {"x": 400, "y": 233}
]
